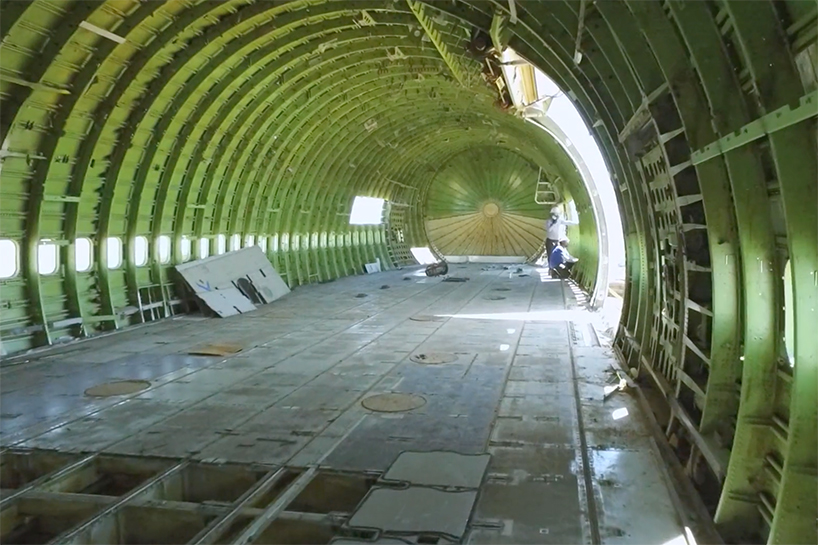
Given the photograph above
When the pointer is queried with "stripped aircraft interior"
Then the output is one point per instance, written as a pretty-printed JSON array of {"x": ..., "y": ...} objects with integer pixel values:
[{"x": 275, "y": 271}]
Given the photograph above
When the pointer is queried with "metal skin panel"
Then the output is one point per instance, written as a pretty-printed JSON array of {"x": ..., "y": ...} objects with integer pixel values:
[
  {"x": 266, "y": 119},
  {"x": 776, "y": 84}
]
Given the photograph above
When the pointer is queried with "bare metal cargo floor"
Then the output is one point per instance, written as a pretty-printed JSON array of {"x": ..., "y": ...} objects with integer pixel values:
[{"x": 292, "y": 399}]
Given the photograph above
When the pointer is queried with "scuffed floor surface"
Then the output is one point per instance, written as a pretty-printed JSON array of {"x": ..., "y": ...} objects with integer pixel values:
[{"x": 273, "y": 444}]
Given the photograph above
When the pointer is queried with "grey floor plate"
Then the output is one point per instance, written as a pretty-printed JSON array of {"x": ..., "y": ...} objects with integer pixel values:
[
  {"x": 381, "y": 541},
  {"x": 439, "y": 469},
  {"x": 415, "y": 510}
]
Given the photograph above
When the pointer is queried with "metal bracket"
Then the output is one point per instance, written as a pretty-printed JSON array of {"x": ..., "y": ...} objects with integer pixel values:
[
  {"x": 772, "y": 122},
  {"x": 448, "y": 57}
]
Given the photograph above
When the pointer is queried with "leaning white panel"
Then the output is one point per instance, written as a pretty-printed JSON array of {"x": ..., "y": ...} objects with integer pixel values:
[{"x": 245, "y": 277}]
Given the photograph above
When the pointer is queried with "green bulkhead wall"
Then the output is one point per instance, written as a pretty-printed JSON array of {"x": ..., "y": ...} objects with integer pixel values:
[{"x": 482, "y": 202}]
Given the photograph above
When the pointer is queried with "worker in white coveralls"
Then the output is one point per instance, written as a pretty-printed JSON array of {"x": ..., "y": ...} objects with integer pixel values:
[{"x": 555, "y": 230}]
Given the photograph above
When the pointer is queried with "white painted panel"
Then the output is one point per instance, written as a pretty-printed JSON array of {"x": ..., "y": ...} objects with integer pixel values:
[
  {"x": 227, "y": 302},
  {"x": 224, "y": 272}
]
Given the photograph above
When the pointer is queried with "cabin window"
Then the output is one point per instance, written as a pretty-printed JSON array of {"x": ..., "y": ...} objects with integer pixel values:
[
  {"x": 9, "y": 258},
  {"x": 83, "y": 254},
  {"x": 140, "y": 250},
  {"x": 204, "y": 248},
  {"x": 48, "y": 257},
  {"x": 185, "y": 243},
  {"x": 114, "y": 252},
  {"x": 163, "y": 247},
  {"x": 789, "y": 318}
]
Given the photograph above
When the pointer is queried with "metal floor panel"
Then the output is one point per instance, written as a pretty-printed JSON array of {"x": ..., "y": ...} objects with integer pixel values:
[
  {"x": 445, "y": 469},
  {"x": 415, "y": 510},
  {"x": 293, "y": 396}
]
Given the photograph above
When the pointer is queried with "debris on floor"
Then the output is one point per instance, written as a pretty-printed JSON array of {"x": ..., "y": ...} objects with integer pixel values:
[
  {"x": 437, "y": 269},
  {"x": 361, "y": 295},
  {"x": 385, "y": 287},
  {"x": 373, "y": 267},
  {"x": 118, "y": 388},
  {"x": 216, "y": 349},
  {"x": 434, "y": 358},
  {"x": 456, "y": 279},
  {"x": 620, "y": 386}
]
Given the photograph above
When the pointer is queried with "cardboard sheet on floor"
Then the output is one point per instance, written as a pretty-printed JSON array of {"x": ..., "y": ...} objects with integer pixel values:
[
  {"x": 235, "y": 282},
  {"x": 216, "y": 349}
]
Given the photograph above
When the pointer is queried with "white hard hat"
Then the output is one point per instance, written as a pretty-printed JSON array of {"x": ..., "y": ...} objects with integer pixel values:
[{"x": 555, "y": 210}]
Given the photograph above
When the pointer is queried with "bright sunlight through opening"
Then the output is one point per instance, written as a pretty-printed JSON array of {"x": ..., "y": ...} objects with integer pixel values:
[
  {"x": 423, "y": 256},
  {"x": 366, "y": 211},
  {"x": 619, "y": 413}
]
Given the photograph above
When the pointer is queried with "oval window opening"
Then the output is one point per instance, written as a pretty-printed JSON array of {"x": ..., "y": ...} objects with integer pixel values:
[
  {"x": 9, "y": 261},
  {"x": 789, "y": 317},
  {"x": 204, "y": 248},
  {"x": 47, "y": 257},
  {"x": 140, "y": 247},
  {"x": 83, "y": 254},
  {"x": 114, "y": 253},
  {"x": 163, "y": 246},
  {"x": 185, "y": 248}
]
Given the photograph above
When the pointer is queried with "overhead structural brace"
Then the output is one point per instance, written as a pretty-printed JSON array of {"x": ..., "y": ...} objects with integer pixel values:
[
  {"x": 770, "y": 123},
  {"x": 580, "y": 28},
  {"x": 434, "y": 35}
]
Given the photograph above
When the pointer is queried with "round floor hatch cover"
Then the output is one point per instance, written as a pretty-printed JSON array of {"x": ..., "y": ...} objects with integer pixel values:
[
  {"x": 393, "y": 403},
  {"x": 494, "y": 297},
  {"x": 427, "y": 318},
  {"x": 118, "y": 388},
  {"x": 433, "y": 358}
]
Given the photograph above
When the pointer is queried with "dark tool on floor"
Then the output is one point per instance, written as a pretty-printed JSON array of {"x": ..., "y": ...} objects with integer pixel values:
[{"x": 437, "y": 269}]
